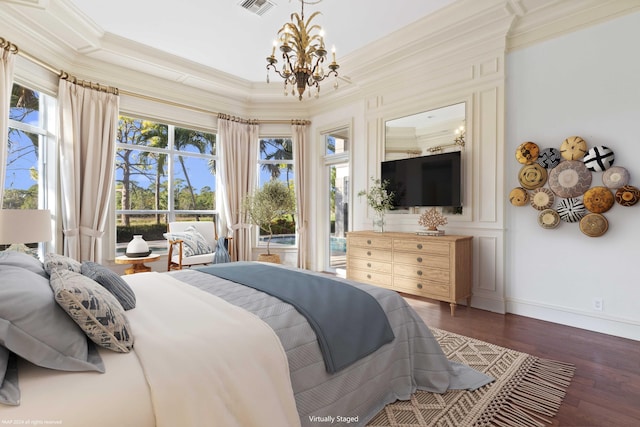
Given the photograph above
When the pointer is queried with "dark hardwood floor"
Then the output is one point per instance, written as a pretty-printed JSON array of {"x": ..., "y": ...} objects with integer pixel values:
[{"x": 605, "y": 391}]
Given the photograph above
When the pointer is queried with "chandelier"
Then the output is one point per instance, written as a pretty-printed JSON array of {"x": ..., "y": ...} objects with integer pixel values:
[{"x": 303, "y": 53}]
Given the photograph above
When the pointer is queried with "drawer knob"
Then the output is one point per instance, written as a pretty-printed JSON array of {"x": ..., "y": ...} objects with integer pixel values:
[
  {"x": 369, "y": 253},
  {"x": 419, "y": 259},
  {"x": 368, "y": 242},
  {"x": 368, "y": 264},
  {"x": 368, "y": 276},
  {"x": 419, "y": 272},
  {"x": 419, "y": 246},
  {"x": 419, "y": 285}
]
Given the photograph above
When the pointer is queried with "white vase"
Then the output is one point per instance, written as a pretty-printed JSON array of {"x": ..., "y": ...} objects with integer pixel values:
[
  {"x": 378, "y": 222},
  {"x": 137, "y": 247}
]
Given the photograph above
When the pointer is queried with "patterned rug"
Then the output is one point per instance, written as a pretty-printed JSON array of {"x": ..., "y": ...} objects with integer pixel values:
[{"x": 527, "y": 390}]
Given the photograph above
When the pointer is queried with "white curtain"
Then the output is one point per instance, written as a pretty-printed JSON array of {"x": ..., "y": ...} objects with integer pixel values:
[
  {"x": 88, "y": 125},
  {"x": 238, "y": 150},
  {"x": 6, "y": 80},
  {"x": 302, "y": 209}
]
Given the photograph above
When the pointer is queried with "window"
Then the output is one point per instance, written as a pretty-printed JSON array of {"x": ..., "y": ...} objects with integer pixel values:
[
  {"x": 31, "y": 147},
  {"x": 275, "y": 161},
  {"x": 337, "y": 175},
  {"x": 164, "y": 173}
]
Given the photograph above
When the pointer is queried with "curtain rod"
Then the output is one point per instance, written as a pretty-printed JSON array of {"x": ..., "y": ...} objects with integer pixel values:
[{"x": 8, "y": 45}]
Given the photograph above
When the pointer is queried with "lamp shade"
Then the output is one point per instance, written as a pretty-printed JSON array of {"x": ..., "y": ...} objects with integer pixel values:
[{"x": 24, "y": 226}]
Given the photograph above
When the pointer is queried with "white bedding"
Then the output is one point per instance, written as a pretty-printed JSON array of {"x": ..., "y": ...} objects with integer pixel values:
[
  {"x": 208, "y": 362},
  {"x": 192, "y": 364}
]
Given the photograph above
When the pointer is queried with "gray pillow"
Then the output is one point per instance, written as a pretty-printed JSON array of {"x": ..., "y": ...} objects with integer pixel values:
[
  {"x": 54, "y": 261},
  {"x": 9, "y": 390},
  {"x": 22, "y": 260},
  {"x": 34, "y": 327},
  {"x": 93, "y": 308},
  {"x": 111, "y": 282}
]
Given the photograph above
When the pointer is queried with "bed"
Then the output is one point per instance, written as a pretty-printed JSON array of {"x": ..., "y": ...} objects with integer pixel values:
[{"x": 209, "y": 351}]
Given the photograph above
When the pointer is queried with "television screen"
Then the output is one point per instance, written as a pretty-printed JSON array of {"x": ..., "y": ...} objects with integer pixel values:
[{"x": 425, "y": 181}]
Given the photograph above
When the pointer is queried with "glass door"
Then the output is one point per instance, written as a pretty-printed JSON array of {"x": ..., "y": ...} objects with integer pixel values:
[
  {"x": 337, "y": 198},
  {"x": 338, "y": 215}
]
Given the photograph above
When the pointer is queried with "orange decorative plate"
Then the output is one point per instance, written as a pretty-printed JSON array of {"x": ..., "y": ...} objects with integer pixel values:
[{"x": 598, "y": 199}]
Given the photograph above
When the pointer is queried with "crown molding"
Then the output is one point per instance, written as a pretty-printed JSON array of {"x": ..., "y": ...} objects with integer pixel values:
[
  {"x": 455, "y": 37},
  {"x": 541, "y": 20}
]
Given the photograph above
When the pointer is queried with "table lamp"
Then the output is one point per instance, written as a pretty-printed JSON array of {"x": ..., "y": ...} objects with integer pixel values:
[{"x": 20, "y": 226}]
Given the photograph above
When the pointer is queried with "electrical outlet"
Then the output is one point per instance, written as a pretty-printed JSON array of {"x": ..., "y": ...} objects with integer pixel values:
[{"x": 598, "y": 304}]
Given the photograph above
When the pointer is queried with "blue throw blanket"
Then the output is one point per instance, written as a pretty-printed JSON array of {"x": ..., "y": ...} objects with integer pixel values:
[{"x": 349, "y": 323}]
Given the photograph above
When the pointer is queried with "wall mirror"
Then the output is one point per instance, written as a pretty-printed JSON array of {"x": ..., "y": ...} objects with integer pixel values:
[
  {"x": 429, "y": 132},
  {"x": 432, "y": 132}
]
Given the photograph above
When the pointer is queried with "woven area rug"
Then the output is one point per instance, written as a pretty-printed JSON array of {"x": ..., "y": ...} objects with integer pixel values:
[{"x": 527, "y": 390}]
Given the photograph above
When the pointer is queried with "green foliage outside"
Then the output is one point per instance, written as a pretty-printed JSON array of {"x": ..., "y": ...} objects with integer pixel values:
[
  {"x": 150, "y": 231},
  {"x": 265, "y": 206},
  {"x": 142, "y": 163}
]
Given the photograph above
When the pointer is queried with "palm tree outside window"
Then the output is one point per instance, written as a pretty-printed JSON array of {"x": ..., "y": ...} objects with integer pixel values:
[{"x": 164, "y": 173}]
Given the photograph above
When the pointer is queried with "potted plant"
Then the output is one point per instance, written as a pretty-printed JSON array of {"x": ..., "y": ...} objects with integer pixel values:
[
  {"x": 380, "y": 199},
  {"x": 267, "y": 204}
]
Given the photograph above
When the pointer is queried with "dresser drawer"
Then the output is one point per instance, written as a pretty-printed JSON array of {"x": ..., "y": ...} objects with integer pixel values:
[
  {"x": 421, "y": 287},
  {"x": 369, "y": 253},
  {"x": 427, "y": 248},
  {"x": 420, "y": 259},
  {"x": 421, "y": 273},
  {"x": 370, "y": 277},
  {"x": 371, "y": 242},
  {"x": 370, "y": 265}
]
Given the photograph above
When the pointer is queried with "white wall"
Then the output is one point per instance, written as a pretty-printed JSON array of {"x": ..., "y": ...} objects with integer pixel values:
[{"x": 586, "y": 83}]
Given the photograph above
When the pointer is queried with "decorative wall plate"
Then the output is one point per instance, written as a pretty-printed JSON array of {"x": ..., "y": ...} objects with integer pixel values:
[
  {"x": 599, "y": 158},
  {"x": 542, "y": 198},
  {"x": 594, "y": 225},
  {"x": 573, "y": 148},
  {"x": 615, "y": 177},
  {"x": 527, "y": 152},
  {"x": 548, "y": 218},
  {"x": 518, "y": 196},
  {"x": 532, "y": 176},
  {"x": 598, "y": 199},
  {"x": 549, "y": 158},
  {"x": 570, "y": 178},
  {"x": 627, "y": 195},
  {"x": 571, "y": 210}
]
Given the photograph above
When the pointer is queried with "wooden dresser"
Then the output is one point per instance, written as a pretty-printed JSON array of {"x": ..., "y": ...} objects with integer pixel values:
[{"x": 437, "y": 267}]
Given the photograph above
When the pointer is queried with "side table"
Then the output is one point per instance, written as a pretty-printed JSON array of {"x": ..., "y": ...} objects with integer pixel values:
[{"x": 137, "y": 264}]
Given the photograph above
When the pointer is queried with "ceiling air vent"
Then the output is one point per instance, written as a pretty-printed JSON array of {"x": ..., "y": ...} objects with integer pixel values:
[{"x": 259, "y": 7}]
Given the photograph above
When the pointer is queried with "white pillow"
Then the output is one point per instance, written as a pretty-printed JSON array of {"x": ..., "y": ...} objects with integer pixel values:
[{"x": 194, "y": 242}]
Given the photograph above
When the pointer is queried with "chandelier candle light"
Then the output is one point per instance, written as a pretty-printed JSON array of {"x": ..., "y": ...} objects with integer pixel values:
[{"x": 303, "y": 53}]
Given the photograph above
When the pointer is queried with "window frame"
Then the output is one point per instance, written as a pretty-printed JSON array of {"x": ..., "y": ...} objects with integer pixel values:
[
  {"x": 172, "y": 154},
  {"x": 47, "y": 131},
  {"x": 260, "y": 162}
]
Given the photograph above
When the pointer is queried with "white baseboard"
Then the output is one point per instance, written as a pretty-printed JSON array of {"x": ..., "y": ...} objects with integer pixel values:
[
  {"x": 488, "y": 303},
  {"x": 596, "y": 322}
]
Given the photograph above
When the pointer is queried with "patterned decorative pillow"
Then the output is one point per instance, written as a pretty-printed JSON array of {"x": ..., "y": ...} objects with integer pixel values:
[
  {"x": 93, "y": 308},
  {"x": 54, "y": 261},
  {"x": 194, "y": 242},
  {"x": 111, "y": 282}
]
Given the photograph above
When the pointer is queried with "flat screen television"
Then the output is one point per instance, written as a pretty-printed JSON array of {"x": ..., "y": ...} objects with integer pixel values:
[{"x": 433, "y": 180}]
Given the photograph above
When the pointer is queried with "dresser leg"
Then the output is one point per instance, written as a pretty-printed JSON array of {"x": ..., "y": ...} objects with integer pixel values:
[{"x": 453, "y": 309}]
